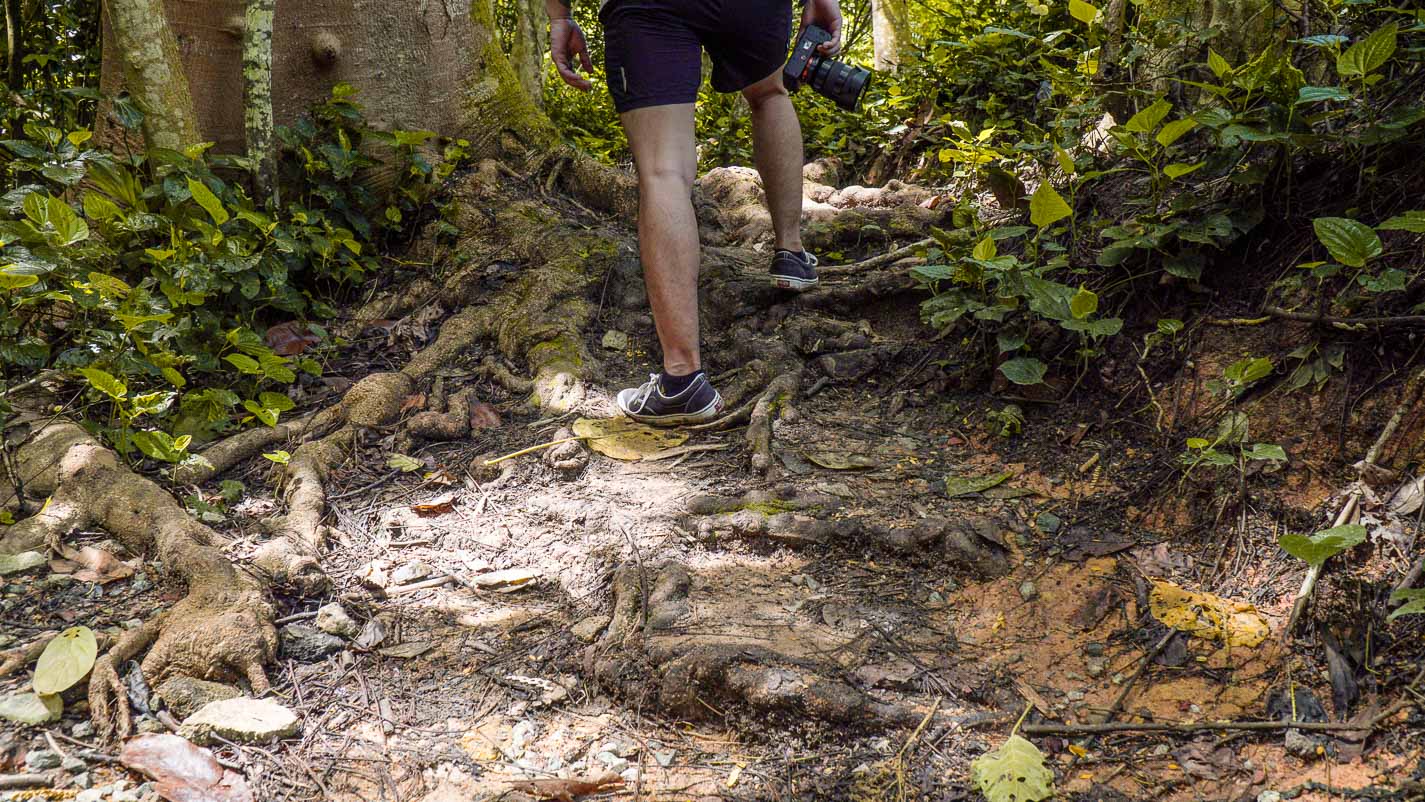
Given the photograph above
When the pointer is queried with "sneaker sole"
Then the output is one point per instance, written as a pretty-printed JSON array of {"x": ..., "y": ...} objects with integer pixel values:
[
  {"x": 790, "y": 283},
  {"x": 707, "y": 413}
]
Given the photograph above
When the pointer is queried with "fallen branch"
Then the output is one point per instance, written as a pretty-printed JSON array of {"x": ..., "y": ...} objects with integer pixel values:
[
  {"x": 877, "y": 261},
  {"x": 552, "y": 443},
  {"x": 1203, "y": 726},
  {"x": 1345, "y": 322},
  {"x": 10, "y": 782}
]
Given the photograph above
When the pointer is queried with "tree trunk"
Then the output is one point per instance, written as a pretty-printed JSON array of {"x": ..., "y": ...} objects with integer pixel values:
[
  {"x": 890, "y": 33},
  {"x": 434, "y": 66},
  {"x": 14, "y": 46},
  {"x": 153, "y": 72},
  {"x": 528, "y": 47},
  {"x": 257, "y": 97}
]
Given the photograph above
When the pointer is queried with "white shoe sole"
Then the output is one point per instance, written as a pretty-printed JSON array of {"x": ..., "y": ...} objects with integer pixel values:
[
  {"x": 789, "y": 283},
  {"x": 708, "y": 413}
]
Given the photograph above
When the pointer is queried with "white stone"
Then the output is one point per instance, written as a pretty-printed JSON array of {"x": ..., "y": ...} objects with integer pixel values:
[
  {"x": 244, "y": 720},
  {"x": 333, "y": 620}
]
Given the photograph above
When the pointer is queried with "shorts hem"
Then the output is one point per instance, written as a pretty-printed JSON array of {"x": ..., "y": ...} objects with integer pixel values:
[
  {"x": 718, "y": 86},
  {"x": 622, "y": 105}
]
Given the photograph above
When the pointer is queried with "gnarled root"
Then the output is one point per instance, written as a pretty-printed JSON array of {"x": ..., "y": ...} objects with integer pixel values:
[
  {"x": 638, "y": 656},
  {"x": 774, "y": 401},
  {"x": 788, "y": 516},
  {"x": 221, "y": 630}
]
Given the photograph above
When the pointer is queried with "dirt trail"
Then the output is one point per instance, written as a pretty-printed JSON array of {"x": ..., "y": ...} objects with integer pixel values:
[{"x": 839, "y": 628}]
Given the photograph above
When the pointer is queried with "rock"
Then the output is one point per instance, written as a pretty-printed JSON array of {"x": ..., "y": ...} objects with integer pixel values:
[
  {"x": 1269, "y": 796},
  {"x": 41, "y": 760},
  {"x": 412, "y": 571},
  {"x": 589, "y": 629},
  {"x": 611, "y": 761},
  {"x": 83, "y": 729},
  {"x": 29, "y": 708},
  {"x": 615, "y": 340},
  {"x": 140, "y": 583},
  {"x": 184, "y": 696},
  {"x": 1074, "y": 696},
  {"x": 1028, "y": 591},
  {"x": 1096, "y": 666},
  {"x": 82, "y": 780},
  {"x": 243, "y": 720},
  {"x": 1094, "y": 649},
  {"x": 151, "y": 726},
  {"x": 307, "y": 644},
  {"x": 333, "y": 620},
  {"x": 99, "y": 793},
  {"x": 1048, "y": 523},
  {"x": 1302, "y": 745},
  {"x": 73, "y": 765}
]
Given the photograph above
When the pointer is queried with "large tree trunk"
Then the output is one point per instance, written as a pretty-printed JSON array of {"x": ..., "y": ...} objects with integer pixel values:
[
  {"x": 434, "y": 66},
  {"x": 528, "y": 47},
  {"x": 14, "y": 46},
  {"x": 257, "y": 97},
  {"x": 153, "y": 72},
  {"x": 890, "y": 32}
]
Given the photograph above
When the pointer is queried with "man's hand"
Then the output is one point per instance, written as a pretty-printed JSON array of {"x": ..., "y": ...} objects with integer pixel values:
[
  {"x": 825, "y": 14},
  {"x": 566, "y": 40}
]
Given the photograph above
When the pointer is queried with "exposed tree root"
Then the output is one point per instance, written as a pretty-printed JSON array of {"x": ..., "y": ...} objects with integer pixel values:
[
  {"x": 695, "y": 680},
  {"x": 221, "y": 630},
  {"x": 774, "y": 401}
]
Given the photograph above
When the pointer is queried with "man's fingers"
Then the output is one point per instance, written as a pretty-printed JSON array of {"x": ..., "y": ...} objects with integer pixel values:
[
  {"x": 584, "y": 57},
  {"x": 571, "y": 77}
]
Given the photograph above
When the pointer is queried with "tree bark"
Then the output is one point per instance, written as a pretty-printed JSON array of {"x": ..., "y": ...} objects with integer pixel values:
[
  {"x": 890, "y": 33},
  {"x": 14, "y": 46},
  {"x": 528, "y": 47},
  {"x": 153, "y": 72},
  {"x": 257, "y": 95}
]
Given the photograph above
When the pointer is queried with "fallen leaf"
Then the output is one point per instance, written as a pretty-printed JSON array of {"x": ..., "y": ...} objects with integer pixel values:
[
  {"x": 1207, "y": 616},
  {"x": 291, "y": 338},
  {"x": 63, "y": 566},
  {"x": 372, "y": 634},
  {"x": 965, "y": 485},
  {"x": 65, "y": 660},
  {"x": 403, "y": 463},
  {"x": 24, "y": 561},
  {"x": 510, "y": 577},
  {"x": 440, "y": 505},
  {"x": 1015, "y": 772},
  {"x": 99, "y": 566},
  {"x": 31, "y": 708},
  {"x": 183, "y": 772},
  {"x": 413, "y": 402},
  {"x": 625, "y": 439},
  {"x": 1409, "y": 497},
  {"x": 835, "y": 461},
  {"x": 407, "y": 650},
  {"x": 566, "y": 789},
  {"x": 483, "y": 416}
]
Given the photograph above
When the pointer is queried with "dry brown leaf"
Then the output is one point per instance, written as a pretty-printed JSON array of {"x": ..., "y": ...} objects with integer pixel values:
[
  {"x": 183, "y": 772},
  {"x": 1207, "y": 616},
  {"x": 407, "y": 650},
  {"x": 439, "y": 505},
  {"x": 483, "y": 416},
  {"x": 567, "y": 789},
  {"x": 291, "y": 338},
  {"x": 413, "y": 402},
  {"x": 510, "y": 577}
]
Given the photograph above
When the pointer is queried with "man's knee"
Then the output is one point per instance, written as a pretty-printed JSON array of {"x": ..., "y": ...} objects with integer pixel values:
[
  {"x": 768, "y": 90},
  {"x": 667, "y": 175}
]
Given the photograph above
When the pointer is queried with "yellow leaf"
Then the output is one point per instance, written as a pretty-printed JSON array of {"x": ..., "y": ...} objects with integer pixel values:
[
  {"x": 626, "y": 439},
  {"x": 1015, "y": 772},
  {"x": 1047, "y": 207},
  {"x": 65, "y": 661},
  {"x": 1207, "y": 616},
  {"x": 1083, "y": 12},
  {"x": 1078, "y": 751}
]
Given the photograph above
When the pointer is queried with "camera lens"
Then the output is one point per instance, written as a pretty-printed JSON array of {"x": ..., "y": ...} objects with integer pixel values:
[{"x": 840, "y": 82}]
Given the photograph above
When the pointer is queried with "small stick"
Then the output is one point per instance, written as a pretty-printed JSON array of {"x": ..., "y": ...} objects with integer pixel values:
[
  {"x": 10, "y": 782},
  {"x": 1206, "y": 726},
  {"x": 49, "y": 738},
  {"x": 878, "y": 260},
  {"x": 1142, "y": 667},
  {"x": 1346, "y": 322},
  {"x": 434, "y": 582},
  {"x": 681, "y": 451},
  {"x": 288, "y": 619},
  {"x": 532, "y": 449}
]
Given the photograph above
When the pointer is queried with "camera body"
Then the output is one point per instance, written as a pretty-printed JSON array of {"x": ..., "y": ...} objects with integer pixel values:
[{"x": 842, "y": 83}]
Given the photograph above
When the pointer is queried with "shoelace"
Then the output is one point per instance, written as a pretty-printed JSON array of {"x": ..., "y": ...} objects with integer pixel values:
[
  {"x": 644, "y": 390},
  {"x": 811, "y": 259}
]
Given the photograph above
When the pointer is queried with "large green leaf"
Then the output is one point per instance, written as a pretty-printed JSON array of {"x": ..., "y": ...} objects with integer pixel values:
[
  {"x": 1318, "y": 548},
  {"x": 1047, "y": 207},
  {"x": 65, "y": 661},
  {"x": 1175, "y": 130},
  {"x": 1414, "y": 222},
  {"x": 1411, "y": 601},
  {"x": 1025, "y": 370},
  {"x": 1015, "y": 772},
  {"x": 965, "y": 485},
  {"x": 1083, "y": 12},
  {"x": 1146, "y": 120},
  {"x": 104, "y": 382},
  {"x": 1369, "y": 54},
  {"x": 1350, "y": 242},
  {"x": 210, "y": 203}
]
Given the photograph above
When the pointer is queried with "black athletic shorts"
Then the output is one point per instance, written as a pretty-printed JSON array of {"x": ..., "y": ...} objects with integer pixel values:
[{"x": 653, "y": 48}]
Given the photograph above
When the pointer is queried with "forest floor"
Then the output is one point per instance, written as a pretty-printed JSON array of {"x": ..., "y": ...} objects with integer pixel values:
[{"x": 870, "y": 632}]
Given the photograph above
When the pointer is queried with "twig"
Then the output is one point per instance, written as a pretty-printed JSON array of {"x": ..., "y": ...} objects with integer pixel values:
[
  {"x": 685, "y": 450},
  {"x": 878, "y": 260},
  {"x": 10, "y": 782},
  {"x": 1204, "y": 726},
  {"x": 288, "y": 619},
  {"x": 1346, "y": 322},
  {"x": 1142, "y": 667},
  {"x": 49, "y": 739},
  {"x": 434, "y": 582},
  {"x": 532, "y": 449}
]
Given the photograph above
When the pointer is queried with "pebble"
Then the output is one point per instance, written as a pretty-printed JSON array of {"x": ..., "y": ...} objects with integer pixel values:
[
  {"x": 151, "y": 726},
  {"x": 410, "y": 572},
  {"x": 1269, "y": 796},
  {"x": 1048, "y": 522},
  {"x": 1094, "y": 649},
  {"x": 1028, "y": 591},
  {"x": 244, "y": 720},
  {"x": 99, "y": 793},
  {"x": 184, "y": 696},
  {"x": 307, "y": 644},
  {"x": 83, "y": 729},
  {"x": 140, "y": 583},
  {"x": 612, "y": 761},
  {"x": 333, "y": 620},
  {"x": 82, "y": 780},
  {"x": 41, "y": 760},
  {"x": 73, "y": 765},
  {"x": 1075, "y": 696},
  {"x": 1096, "y": 666}
]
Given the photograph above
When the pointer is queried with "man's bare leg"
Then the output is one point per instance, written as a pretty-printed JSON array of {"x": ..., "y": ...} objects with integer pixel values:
[
  {"x": 777, "y": 148},
  {"x": 662, "y": 140}
]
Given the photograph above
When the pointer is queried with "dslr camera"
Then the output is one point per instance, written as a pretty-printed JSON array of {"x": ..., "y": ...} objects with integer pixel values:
[{"x": 842, "y": 83}]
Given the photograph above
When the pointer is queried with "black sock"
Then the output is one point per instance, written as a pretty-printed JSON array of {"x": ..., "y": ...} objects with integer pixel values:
[
  {"x": 671, "y": 385},
  {"x": 802, "y": 255}
]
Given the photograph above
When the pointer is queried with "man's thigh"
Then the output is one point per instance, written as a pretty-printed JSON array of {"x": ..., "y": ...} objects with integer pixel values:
[
  {"x": 747, "y": 41},
  {"x": 652, "y": 57}
]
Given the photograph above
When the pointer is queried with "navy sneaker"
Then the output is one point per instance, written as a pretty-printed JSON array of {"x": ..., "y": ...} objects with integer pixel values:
[
  {"x": 793, "y": 271},
  {"x": 697, "y": 403}
]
